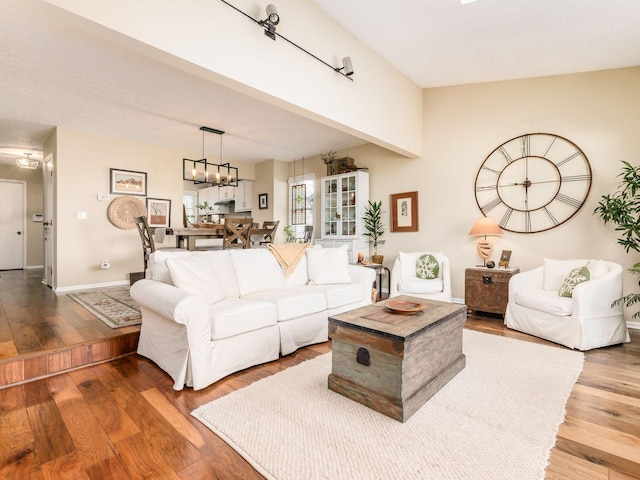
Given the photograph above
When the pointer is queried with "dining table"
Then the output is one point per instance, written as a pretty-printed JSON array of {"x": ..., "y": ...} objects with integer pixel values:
[{"x": 186, "y": 236}]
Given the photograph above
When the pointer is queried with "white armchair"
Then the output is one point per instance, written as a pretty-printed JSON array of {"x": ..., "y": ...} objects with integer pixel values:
[
  {"x": 583, "y": 321},
  {"x": 404, "y": 280}
]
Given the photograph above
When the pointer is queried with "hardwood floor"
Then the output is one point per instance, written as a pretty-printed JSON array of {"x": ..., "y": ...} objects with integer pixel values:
[
  {"x": 122, "y": 419},
  {"x": 42, "y": 333}
]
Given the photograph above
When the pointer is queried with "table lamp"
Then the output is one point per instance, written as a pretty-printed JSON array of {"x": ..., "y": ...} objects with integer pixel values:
[{"x": 485, "y": 226}]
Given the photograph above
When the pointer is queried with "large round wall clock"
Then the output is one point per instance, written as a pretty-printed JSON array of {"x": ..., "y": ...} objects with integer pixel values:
[{"x": 533, "y": 182}]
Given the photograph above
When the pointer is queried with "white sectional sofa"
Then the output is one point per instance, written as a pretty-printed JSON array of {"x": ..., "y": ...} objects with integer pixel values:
[{"x": 208, "y": 314}]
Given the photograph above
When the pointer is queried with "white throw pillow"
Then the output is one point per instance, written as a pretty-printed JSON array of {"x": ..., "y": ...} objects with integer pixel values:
[
  {"x": 409, "y": 260},
  {"x": 196, "y": 275},
  {"x": 257, "y": 270},
  {"x": 598, "y": 268},
  {"x": 328, "y": 265}
]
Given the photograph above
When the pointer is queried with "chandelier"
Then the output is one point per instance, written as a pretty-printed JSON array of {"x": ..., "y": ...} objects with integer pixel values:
[{"x": 204, "y": 171}]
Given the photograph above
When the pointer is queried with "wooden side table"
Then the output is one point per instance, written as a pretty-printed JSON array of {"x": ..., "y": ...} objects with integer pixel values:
[
  {"x": 487, "y": 289},
  {"x": 381, "y": 271}
]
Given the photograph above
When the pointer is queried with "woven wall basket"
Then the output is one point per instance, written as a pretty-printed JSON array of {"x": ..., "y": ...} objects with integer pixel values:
[{"x": 122, "y": 212}]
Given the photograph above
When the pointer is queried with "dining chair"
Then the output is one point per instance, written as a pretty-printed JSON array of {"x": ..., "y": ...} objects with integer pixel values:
[
  {"x": 148, "y": 245},
  {"x": 237, "y": 232},
  {"x": 272, "y": 226},
  {"x": 147, "y": 238}
]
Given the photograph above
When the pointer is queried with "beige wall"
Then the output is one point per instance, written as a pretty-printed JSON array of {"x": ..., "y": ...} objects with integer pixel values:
[
  {"x": 81, "y": 173},
  {"x": 462, "y": 125},
  {"x": 35, "y": 204}
]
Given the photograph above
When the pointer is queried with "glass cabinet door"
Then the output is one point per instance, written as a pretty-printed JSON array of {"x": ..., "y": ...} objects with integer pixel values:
[
  {"x": 331, "y": 211},
  {"x": 342, "y": 204}
]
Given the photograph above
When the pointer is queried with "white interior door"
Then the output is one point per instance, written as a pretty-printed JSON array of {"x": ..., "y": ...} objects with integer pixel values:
[
  {"x": 47, "y": 178},
  {"x": 12, "y": 233}
]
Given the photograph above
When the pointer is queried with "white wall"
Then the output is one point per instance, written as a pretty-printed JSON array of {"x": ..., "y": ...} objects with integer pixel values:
[
  {"x": 462, "y": 125},
  {"x": 213, "y": 40}
]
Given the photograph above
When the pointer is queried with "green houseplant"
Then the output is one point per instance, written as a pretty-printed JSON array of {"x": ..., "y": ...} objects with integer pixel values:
[
  {"x": 623, "y": 209},
  {"x": 374, "y": 228},
  {"x": 291, "y": 236}
]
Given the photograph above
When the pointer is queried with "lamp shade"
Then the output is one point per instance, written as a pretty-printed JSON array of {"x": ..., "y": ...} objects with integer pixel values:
[{"x": 485, "y": 226}]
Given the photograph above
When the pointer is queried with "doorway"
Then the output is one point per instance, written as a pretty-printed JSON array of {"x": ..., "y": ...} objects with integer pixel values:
[{"x": 12, "y": 224}]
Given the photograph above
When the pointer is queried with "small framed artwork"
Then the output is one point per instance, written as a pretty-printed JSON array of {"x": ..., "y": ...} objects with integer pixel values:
[
  {"x": 263, "y": 201},
  {"x": 404, "y": 212},
  {"x": 505, "y": 258},
  {"x": 127, "y": 182},
  {"x": 159, "y": 212}
]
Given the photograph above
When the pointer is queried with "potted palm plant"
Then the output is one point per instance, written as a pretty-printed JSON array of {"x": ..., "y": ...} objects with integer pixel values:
[
  {"x": 374, "y": 228},
  {"x": 623, "y": 209}
]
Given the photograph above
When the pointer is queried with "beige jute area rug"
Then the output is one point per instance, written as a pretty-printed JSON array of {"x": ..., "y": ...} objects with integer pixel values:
[
  {"x": 114, "y": 306},
  {"x": 497, "y": 419}
]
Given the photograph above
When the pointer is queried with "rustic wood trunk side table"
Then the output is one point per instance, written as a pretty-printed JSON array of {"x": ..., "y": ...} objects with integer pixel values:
[
  {"x": 393, "y": 363},
  {"x": 487, "y": 289}
]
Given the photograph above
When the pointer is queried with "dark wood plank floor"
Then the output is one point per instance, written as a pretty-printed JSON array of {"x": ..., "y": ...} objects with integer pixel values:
[
  {"x": 122, "y": 419},
  {"x": 42, "y": 333}
]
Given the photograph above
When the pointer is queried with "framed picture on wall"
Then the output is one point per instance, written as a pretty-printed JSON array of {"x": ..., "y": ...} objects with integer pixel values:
[
  {"x": 128, "y": 182},
  {"x": 263, "y": 201},
  {"x": 404, "y": 212},
  {"x": 159, "y": 212}
]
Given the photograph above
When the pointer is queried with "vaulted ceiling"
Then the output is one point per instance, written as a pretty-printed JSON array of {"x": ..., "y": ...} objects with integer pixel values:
[{"x": 55, "y": 71}]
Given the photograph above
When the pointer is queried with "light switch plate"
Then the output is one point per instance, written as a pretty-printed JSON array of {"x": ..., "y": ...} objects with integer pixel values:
[
  {"x": 103, "y": 197},
  {"x": 81, "y": 215}
]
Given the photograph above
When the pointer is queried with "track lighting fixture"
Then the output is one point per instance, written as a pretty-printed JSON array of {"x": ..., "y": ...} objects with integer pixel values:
[
  {"x": 269, "y": 25},
  {"x": 271, "y": 21},
  {"x": 347, "y": 66}
]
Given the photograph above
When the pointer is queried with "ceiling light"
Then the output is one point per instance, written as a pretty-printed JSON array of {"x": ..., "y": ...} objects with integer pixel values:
[
  {"x": 271, "y": 21},
  {"x": 269, "y": 25},
  {"x": 347, "y": 66},
  {"x": 203, "y": 171},
  {"x": 26, "y": 162}
]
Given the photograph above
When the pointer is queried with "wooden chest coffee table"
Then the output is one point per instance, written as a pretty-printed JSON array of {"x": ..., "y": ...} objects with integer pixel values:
[{"x": 392, "y": 362}]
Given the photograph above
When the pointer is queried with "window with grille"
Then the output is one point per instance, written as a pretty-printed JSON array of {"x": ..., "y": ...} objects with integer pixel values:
[{"x": 302, "y": 201}]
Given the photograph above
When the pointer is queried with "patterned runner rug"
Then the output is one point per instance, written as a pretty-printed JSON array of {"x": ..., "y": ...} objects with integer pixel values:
[
  {"x": 497, "y": 419},
  {"x": 113, "y": 306}
]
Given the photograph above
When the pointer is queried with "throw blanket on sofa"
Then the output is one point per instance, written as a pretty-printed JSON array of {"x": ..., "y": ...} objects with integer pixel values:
[{"x": 288, "y": 254}]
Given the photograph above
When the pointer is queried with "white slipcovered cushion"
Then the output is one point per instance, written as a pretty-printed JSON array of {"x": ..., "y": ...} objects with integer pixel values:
[
  {"x": 597, "y": 268},
  {"x": 544, "y": 301},
  {"x": 555, "y": 271},
  {"x": 417, "y": 285},
  {"x": 408, "y": 261},
  {"x": 233, "y": 316},
  {"x": 157, "y": 266},
  {"x": 340, "y": 295},
  {"x": 226, "y": 274},
  {"x": 328, "y": 266},
  {"x": 195, "y": 274},
  {"x": 299, "y": 276},
  {"x": 257, "y": 270},
  {"x": 293, "y": 303}
]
